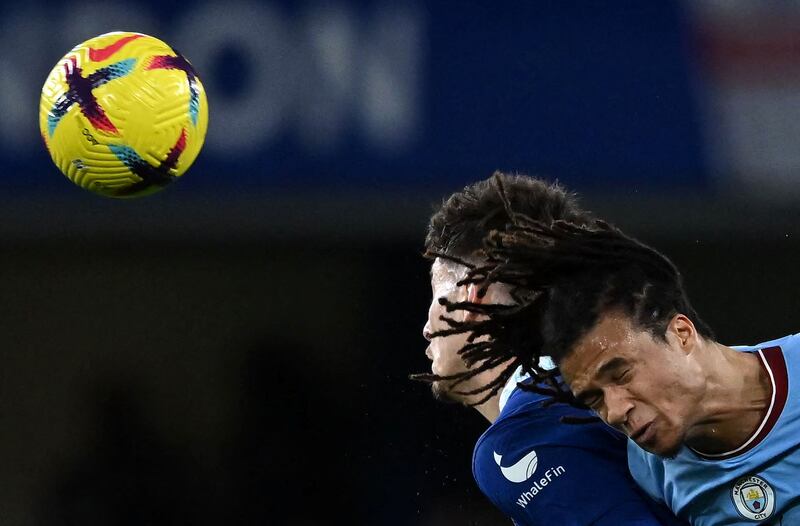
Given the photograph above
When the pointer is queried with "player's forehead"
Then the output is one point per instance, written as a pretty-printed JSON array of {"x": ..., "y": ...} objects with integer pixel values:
[
  {"x": 608, "y": 344},
  {"x": 446, "y": 274}
]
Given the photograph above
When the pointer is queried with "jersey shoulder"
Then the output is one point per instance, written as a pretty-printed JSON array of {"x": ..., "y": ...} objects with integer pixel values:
[
  {"x": 647, "y": 470},
  {"x": 782, "y": 358},
  {"x": 789, "y": 344},
  {"x": 534, "y": 468},
  {"x": 528, "y": 421}
]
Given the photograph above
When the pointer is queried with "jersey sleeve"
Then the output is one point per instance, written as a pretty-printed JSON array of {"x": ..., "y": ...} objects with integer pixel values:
[
  {"x": 545, "y": 484},
  {"x": 647, "y": 475}
]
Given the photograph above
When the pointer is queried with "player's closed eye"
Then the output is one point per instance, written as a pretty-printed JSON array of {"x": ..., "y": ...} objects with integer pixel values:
[
  {"x": 594, "y": 402},
  {"x": 623, "y": 377}
]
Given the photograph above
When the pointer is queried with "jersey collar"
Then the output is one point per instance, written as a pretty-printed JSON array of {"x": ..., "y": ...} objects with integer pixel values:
[
  {"x": 545, "y": 362},
  {"x": 773, "y": 362}
]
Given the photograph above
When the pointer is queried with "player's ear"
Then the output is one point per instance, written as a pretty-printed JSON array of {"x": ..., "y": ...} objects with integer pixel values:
[
  {"x": 684, "y": 331},
  {"x": 473, "y": 296}
]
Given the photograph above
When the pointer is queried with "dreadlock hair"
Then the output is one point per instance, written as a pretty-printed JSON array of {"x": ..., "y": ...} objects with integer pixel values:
[
  {"x": 457, "y": 232},
  {"x": 458, "y": 227},
  {"x": 564, "y": 277}
]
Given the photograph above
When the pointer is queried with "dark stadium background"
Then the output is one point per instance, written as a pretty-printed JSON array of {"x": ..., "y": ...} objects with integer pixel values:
[{"x": 235, "y": 349}]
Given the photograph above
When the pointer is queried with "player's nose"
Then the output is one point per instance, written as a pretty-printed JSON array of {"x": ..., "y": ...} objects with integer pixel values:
[
  {"x": 426, "y": 331},
  {"x": 617, "y": 408}
]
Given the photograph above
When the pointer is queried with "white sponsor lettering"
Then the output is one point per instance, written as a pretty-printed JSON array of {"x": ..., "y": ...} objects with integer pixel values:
[{"x": 526, "y": 497}]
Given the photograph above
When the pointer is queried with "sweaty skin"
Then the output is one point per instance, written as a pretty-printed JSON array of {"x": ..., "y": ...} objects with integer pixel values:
[
  {"x": 443, "y": 350},
  {"x": 664, "y": 393}
]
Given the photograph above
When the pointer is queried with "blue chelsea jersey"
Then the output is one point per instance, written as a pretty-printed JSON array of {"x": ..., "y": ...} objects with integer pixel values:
[
  {"x": 757, "y": 483},
  {"x": 540, "y": 471}
]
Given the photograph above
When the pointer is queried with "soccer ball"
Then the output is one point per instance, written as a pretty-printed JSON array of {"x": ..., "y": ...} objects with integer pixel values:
[{"x": 123, "y": 114}]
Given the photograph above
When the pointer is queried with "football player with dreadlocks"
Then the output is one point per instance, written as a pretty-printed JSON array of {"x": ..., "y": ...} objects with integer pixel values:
[
  {"x": 533, "y": 468},
  {"x": 714, "y": 431}
]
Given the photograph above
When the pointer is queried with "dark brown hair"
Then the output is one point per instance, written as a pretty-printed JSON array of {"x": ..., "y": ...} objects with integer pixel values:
[
  {"x": 563, "y": 276},
  {"x": 458, "y": 231}
]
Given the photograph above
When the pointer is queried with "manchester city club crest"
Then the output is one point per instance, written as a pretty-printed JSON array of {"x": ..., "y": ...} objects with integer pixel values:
[{"x": 753, "y": 497}]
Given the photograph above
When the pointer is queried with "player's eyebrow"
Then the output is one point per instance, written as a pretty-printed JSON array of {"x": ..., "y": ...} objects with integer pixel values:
[
  {"x": 606, "y": 368},
  {"x": 609, "y": 366}
]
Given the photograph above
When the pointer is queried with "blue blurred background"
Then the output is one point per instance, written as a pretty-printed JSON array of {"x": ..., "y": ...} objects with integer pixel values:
[{"x": 235, "y": 349}]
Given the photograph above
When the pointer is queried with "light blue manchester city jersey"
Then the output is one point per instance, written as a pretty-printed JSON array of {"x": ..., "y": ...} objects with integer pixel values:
[{"x": 759, "y": 482}]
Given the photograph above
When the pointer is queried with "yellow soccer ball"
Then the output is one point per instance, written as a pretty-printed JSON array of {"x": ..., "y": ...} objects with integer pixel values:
[{"x": 123, "y": 114}]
